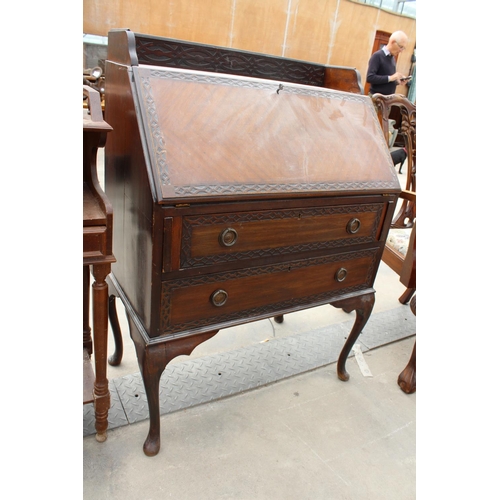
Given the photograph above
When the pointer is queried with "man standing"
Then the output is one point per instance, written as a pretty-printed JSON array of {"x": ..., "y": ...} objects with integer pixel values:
[{"x": 382, "y": 75}]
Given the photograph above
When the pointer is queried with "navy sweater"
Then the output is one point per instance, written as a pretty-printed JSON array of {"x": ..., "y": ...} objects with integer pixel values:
[{"x": 380, "y": 67}]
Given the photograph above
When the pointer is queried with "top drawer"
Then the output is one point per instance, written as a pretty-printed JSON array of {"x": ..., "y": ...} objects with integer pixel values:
[{"x": 218, "y": 238}]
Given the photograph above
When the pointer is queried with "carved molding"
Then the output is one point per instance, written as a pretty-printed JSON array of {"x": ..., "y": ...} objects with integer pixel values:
[
  {"x": 247, "y": 189},
  {"x": 173, "y": 53}
]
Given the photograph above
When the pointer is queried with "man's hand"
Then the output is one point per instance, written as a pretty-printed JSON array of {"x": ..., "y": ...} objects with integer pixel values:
[{"x": 396, "y": 77}]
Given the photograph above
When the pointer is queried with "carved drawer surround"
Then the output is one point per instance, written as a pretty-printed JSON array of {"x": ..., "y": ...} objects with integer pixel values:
[
  {"x": 276, "y": 232},
  {"x": 188, "y": 304}
]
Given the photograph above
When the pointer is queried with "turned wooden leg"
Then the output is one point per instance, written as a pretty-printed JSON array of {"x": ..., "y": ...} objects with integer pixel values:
[
  {"x": 407, "y": 379},
  {"x": 153, "y": 358},
  {"x": 363, "y": 306},
  {"x": 87, "y": 335},
  {"x": 100, "y": 327},
  {"x": 279, "y": 318},
  {"x": 116, "y": 358}
]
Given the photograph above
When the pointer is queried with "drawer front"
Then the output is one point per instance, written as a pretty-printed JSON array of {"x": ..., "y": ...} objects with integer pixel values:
[
  {"x": 94, "y": 241},
  {"x": 215, "y": 239},
  {"x": 216, "y": 299}
]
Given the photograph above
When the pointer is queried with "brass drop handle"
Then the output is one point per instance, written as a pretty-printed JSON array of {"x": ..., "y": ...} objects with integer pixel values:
[
  {"x": 219, "y": 298},
  {"x": 353, "y": 226},
  {"x": 228, "y": 237},
  {"x": 341, "y": 274}
]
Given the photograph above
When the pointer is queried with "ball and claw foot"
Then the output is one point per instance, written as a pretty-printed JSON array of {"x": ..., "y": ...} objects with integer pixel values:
[
  {"x": 407, "y": 379},
  {"x": 407, "y": 382}
]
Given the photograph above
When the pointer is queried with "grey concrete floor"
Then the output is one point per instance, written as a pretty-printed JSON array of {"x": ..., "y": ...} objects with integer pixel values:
[{"x": 309, "y": 436}]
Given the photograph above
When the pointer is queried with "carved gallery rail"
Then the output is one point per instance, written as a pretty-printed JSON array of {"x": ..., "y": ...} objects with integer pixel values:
[{"x": 236, "y": 199}]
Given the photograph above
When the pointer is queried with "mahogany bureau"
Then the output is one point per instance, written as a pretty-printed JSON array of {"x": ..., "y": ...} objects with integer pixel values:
[{"x": 237, "y": 199}]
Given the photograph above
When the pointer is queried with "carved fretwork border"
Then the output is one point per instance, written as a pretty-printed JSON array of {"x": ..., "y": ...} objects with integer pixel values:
[
  {"x": 171, "y": 285},
  {"x": 176, "y": 54},
  {"x": 203, "y": 220},
  {"x": 253, "y": 189}
]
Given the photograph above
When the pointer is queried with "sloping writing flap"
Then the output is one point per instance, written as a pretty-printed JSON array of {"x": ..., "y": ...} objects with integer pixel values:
[{"x": 209, "y": 135}]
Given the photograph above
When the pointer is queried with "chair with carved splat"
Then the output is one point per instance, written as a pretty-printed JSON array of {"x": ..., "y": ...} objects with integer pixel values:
[
  {"x": 399, "y": 236},
  {"x": 400, "y": 248}
]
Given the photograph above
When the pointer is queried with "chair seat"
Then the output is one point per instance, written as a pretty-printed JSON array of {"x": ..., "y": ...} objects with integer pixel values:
[{"x": 398, "y": 239}]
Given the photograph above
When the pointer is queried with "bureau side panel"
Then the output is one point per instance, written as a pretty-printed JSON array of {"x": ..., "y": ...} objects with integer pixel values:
[{"x": 128, "y": 188}]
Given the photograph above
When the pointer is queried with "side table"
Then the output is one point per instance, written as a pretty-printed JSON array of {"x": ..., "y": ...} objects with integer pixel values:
[{"x": 98, "y": 257}]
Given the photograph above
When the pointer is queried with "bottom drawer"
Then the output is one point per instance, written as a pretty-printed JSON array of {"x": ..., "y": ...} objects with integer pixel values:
[{"x": 217, "y": 299}]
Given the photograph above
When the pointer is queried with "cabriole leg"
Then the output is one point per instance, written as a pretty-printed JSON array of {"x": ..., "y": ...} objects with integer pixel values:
[
  {"x": 116, "y": 358},
  {"x": 152, "y": 361},
  {"x": 153, "y": 358},
  {"x": 407, "y": 379},
  {"x": 363, "y": 306}
]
